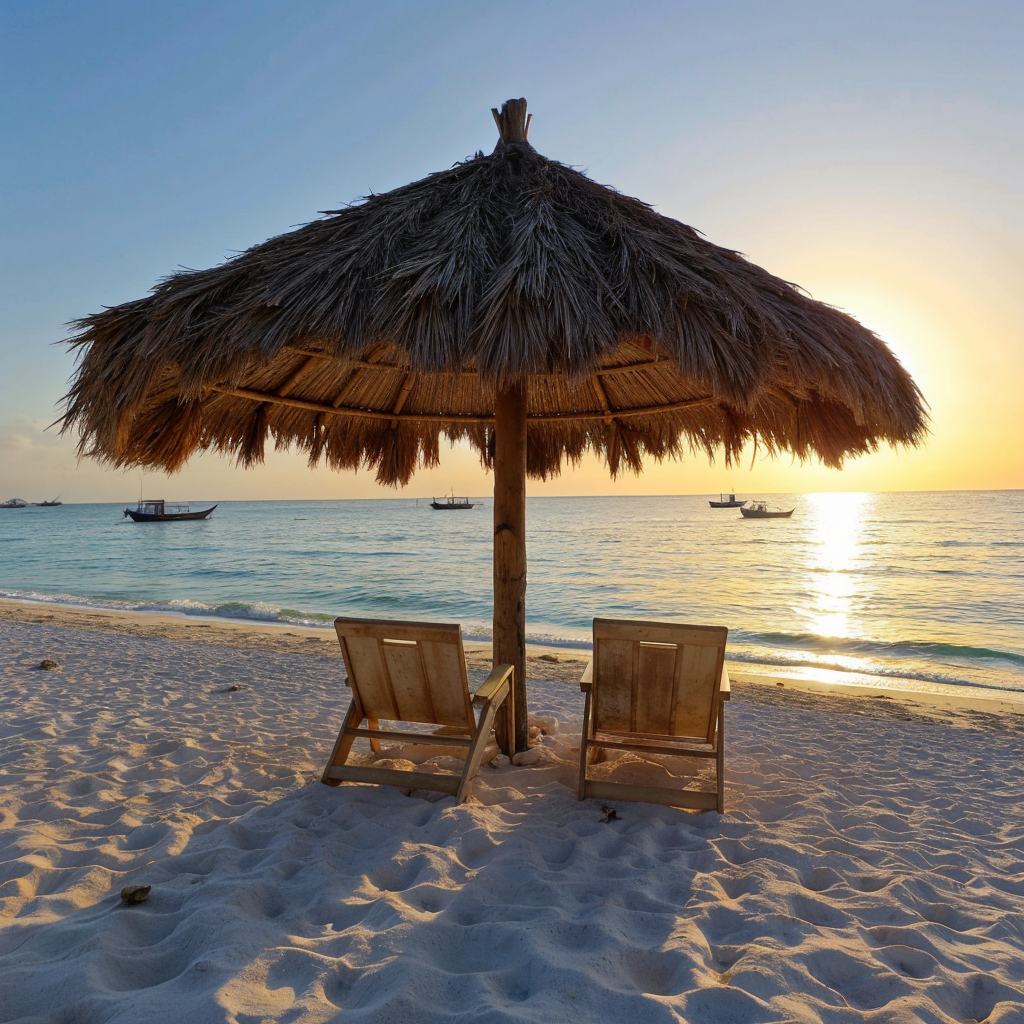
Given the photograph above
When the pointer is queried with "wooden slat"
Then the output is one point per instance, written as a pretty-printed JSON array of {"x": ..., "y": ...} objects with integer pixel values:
[
  {"x": 724, "y": 688},
  {"x": 659, "y": 632},
  {"x": 403, "y": 394},
  {"x": 496, "y": 679},
  {"x": 411, "y": 737},
  {"x": 408, "y": 678},
  {"x": 368, "y": 677},
  {"x": 647, "y": 364},
  {"x": 695, "y": 688},
  {"x": 394, "y": 777},
  {"x": 652, "y": 795},
  {"x": 613, "y": 696},
  {"x": 343, "y": 386},
  {"x": 438, "y": 632},
  {"x": 445, "y": 667},
  {"x": 602, "y": 397},
  {"x": 587, "y": 679},
  {"x": 649, "y": 748},
  {"x": 654, "y": 686},
  {"x": 295, "y": 375}
]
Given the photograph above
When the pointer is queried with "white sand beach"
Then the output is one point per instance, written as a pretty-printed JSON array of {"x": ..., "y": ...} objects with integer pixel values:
[{"x": 869, "y": 868}]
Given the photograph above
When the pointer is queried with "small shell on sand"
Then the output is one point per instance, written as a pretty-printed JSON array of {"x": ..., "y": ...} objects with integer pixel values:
[
  {"x": 134, "y": 894},
  {"x": 524, "y": 757},
  {"x": 545, "y": 724}
]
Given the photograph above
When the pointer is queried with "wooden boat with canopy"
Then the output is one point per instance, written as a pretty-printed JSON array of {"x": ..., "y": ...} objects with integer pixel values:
[
  {"x": 762, "y": 510},
  {"x": 731, "y": 502},
  {"x": 450, "y": 502},
  {"x": 160, "y": 511}
]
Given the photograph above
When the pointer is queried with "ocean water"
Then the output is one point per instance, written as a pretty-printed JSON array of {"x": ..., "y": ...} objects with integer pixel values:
[{"x": 907, "y": 590}]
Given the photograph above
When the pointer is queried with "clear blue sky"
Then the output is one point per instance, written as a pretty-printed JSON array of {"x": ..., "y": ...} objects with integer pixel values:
[{"x": 870, "y": 151}]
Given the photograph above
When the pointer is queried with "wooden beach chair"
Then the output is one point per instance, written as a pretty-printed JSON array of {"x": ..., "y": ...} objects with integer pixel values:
[
  {"x": 655, "y": 688},
  {"x": 414, "y": 672}
]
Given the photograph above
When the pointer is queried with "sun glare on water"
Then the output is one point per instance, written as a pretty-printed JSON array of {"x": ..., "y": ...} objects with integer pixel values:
[{"x": 836, "y": 522}]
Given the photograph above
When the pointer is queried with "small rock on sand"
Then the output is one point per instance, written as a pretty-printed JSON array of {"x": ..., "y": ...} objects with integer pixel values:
[
  {"x": 134, "y": 894},
  {"x": 48, "y": 665}
]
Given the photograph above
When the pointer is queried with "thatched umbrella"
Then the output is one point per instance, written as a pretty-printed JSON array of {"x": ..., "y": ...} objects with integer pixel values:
[{"x": 510, "y": 302}]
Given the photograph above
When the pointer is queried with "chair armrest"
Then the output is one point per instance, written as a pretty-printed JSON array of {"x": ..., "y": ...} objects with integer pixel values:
[
  {"x": 724, "y": 690},
  {"x": 493, "y": 683},
  {"x": 587, "y": 679}
]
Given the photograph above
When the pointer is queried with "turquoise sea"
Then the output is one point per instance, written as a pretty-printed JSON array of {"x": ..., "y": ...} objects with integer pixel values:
[{"x": 907, "y": 590}]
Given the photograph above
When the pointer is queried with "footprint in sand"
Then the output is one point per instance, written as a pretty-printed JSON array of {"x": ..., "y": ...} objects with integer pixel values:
[
  {"x": 857, "y": 982},
  {"x": 820, "y": 879},
  {"x": 914, "y": 963}
]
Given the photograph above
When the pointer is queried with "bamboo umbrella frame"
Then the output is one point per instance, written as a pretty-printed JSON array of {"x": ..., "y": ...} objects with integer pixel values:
[{"x": 509, "y": 302}]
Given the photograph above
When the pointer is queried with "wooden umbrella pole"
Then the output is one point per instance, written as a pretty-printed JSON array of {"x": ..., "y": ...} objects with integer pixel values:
[{"x": 510, "y": 555}]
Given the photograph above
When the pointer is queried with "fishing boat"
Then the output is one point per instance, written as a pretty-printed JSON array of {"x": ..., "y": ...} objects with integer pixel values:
[
  {"x": 160, "y": 511},
  {"x": 48, "y": 504},
  {"x": 762, "y": 510},
  {"x": 14, "y": 503},
  {"x": 731, "y": 503},
  {"x": 450, "y": 502}
]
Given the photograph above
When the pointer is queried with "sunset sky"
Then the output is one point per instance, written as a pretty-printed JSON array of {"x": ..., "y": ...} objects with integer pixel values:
[{"x": 870, "y": 152}]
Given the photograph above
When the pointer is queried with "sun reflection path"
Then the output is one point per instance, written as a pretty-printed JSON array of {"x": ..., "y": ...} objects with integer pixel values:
[{"x": 837, "y": 522}]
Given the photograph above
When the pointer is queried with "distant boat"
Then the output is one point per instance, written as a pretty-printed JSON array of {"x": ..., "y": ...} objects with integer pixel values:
[
  {"x": 14, "y": 503},
  {"x": 48, "y": 504},
  {"x": 731, "y": 503},
  {"x": 160, "y": 511},
  {"x": 451, "y": 502},
  {"x": 760, "y": 510}
]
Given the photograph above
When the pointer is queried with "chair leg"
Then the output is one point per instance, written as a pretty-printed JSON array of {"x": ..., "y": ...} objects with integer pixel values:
[
  {"x": 372, "y": 723},
  {"x": 343, "y": 744},
  {"x": 505, "y": 722},
  {"x": 510, "y": 718},
  {"x": 581, "y": 790},
  {"x": 720, "y": 758},
  {"x": 475, "y": 755}
]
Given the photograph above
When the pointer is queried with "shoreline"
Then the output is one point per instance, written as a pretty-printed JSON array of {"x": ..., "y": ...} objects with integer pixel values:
[{"x": 543, "y": 661}]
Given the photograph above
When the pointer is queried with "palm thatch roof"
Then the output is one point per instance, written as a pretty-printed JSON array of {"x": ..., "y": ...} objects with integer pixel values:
[{"x": 365, "y": 337}]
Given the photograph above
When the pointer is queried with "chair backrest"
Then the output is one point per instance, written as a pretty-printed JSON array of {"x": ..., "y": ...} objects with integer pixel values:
[
  {"x": 657, "y": 679},
  {"x": 407, "y": 671}
]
